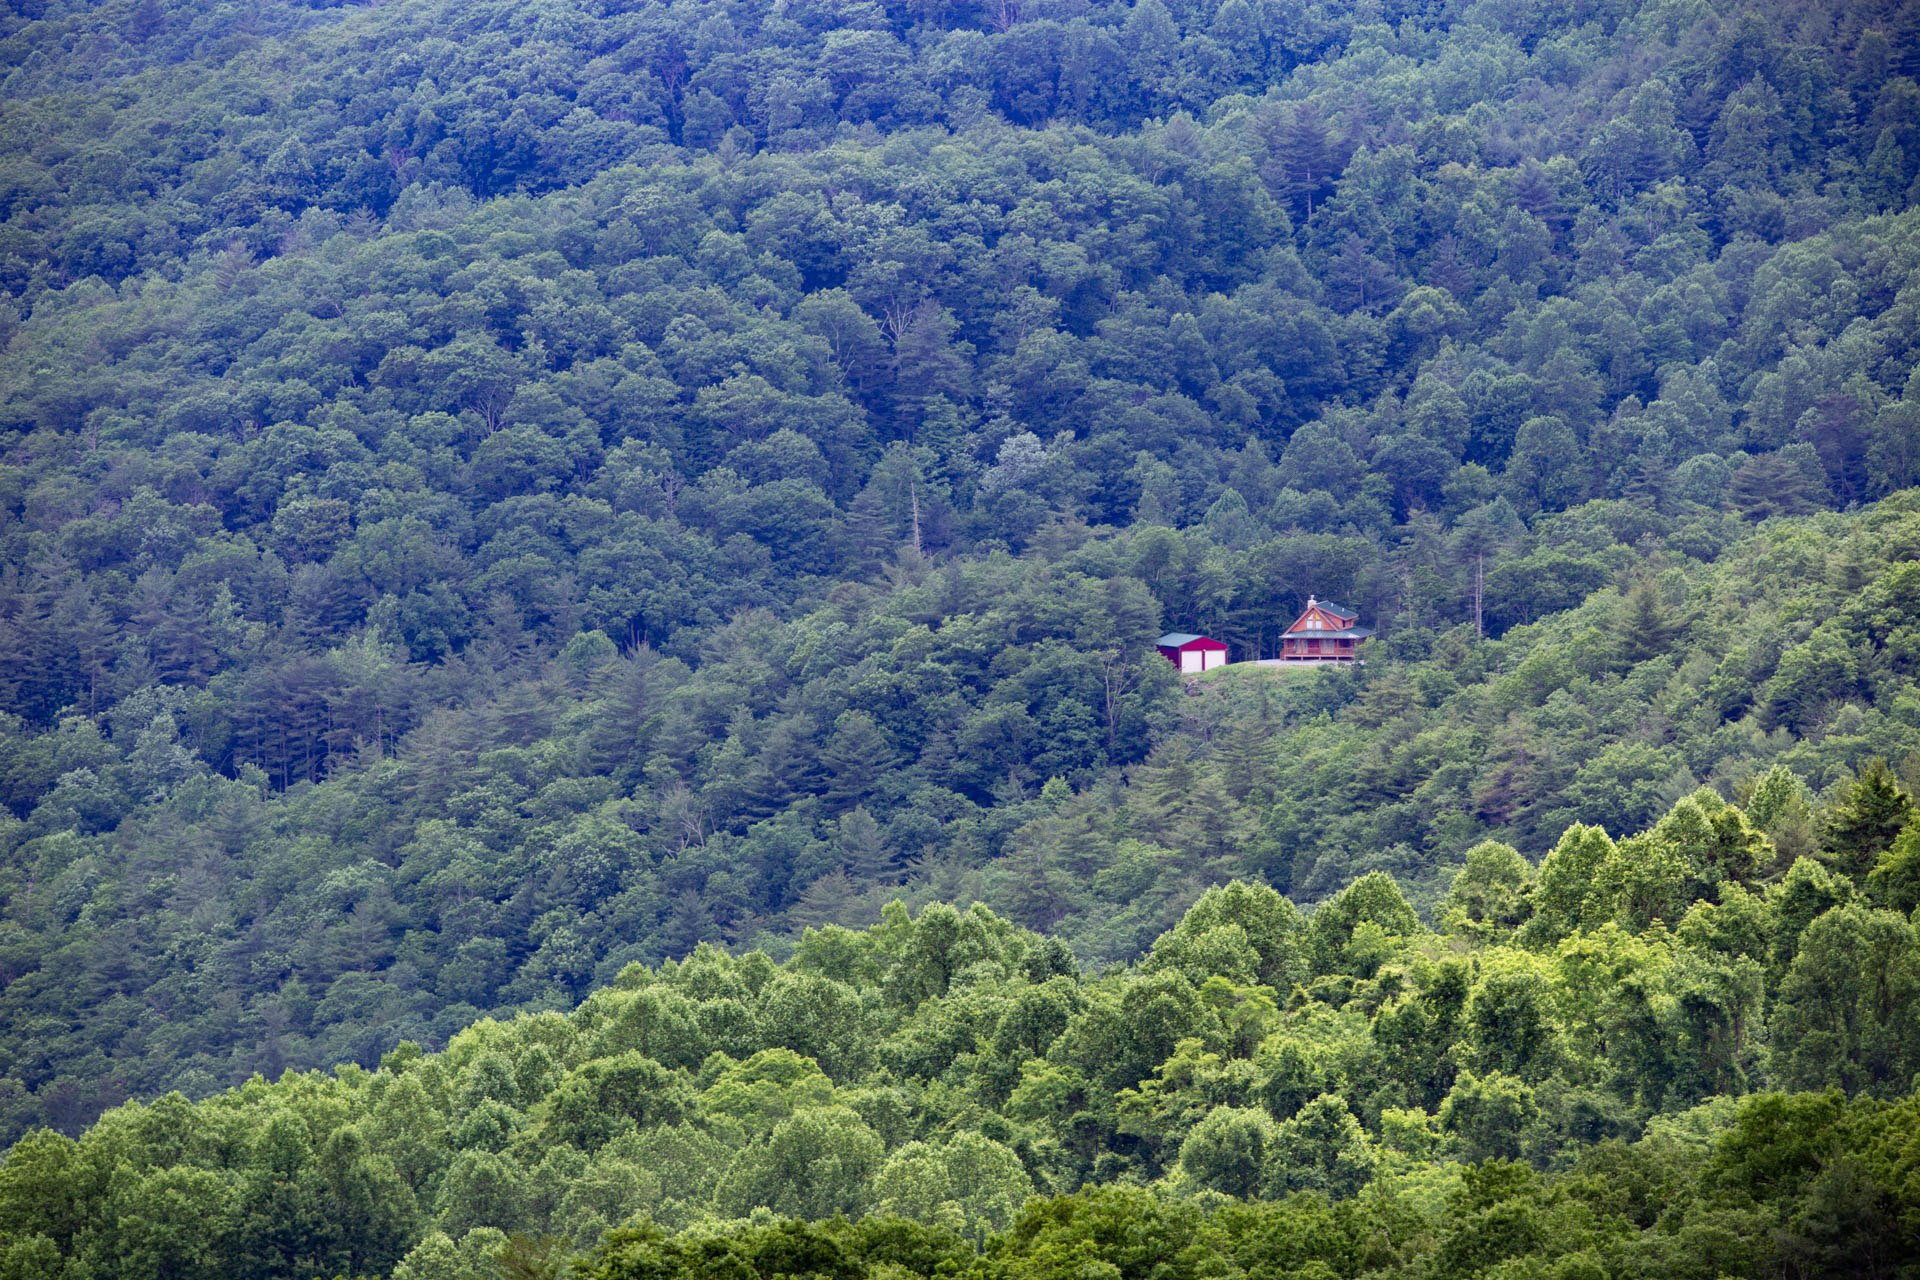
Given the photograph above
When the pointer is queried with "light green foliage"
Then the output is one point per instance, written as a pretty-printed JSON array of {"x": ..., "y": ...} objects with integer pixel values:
[
  {"x": 1649, "y": 878},
  {"x": 1417, "y": 1035},
  {"x": 1242, "y": 931},
  {"x": 1191, "y": 1085},
  {"x": 816, "y": 1017},
  {"x": 1005, "y": 1077},
  {"x": 1227, "y": 1151},
  {"x": 766, "y": 1088},
  {"x": 1509, "y": 1024},
  {"x": 813, "y": 1165},
  {"x": 1716, "y": 843},
  {"x": 1492, "y": 1117},
  {"x": 1361, "y": 927},
  {"x": 1807, "y": 892},
  {"x": 1575, "y": 887},
  {"x": 1320, "y": 1148},
  {"x": 1779, "y": 805},
  {"x": 440, "y": 1257},
  {"x": 971, "y": 1184},
  {"x": 599, "y": 1099},
  {"x": 31, "y": 1257},
  {"x": 482, "y": 1189},
  {"x": 1739, "y": 925},
  {"x": 1490, "y": 895}
]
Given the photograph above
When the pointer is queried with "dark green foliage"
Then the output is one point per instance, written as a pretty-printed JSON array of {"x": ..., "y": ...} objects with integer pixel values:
[
  {"x": 1848, "y": 1005},
  {"x": 1862, "y": 823},
  {"x": 1894, "y": 882},
  {"x": 834, "y": 1250},
  {"x": 493, "y": 494},
  {"x": 607, "y": 808}
]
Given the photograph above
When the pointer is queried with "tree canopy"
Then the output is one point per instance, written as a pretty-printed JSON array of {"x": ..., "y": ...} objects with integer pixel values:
[{"x": 576, "y": 617}]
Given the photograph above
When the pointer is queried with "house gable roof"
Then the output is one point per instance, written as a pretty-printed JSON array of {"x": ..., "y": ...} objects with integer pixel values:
[
  {"x": 1181, "y": 639},
  {"x": 1345, "y": 633},
  {"x": 1341, "y": 616}
]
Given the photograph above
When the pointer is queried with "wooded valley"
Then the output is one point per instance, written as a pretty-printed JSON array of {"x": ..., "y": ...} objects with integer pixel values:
[{"x": 578, "y": 586}]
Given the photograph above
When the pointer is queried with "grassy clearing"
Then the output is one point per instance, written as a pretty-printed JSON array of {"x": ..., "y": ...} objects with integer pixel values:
[{"x": 1243, "y": 671}]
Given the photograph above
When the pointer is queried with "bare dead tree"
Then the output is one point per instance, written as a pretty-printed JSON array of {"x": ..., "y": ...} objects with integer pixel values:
[
  {"x": 1119, "y": 677},
  {"x": 913, "y": 491},
  {"x": 491, "y": 404}
]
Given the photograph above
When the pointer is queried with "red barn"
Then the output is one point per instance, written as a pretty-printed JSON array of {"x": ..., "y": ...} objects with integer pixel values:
[
  {"x": 1324, "y": 633},
  {"x": 1192, "y": 654}
]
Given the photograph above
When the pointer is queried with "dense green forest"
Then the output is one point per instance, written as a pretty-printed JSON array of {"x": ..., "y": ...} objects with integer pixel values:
[
  {"x": 1556, "y": 1074},
  {"x": 594, "y": 567},
  {"x": 623, "y": 807}
]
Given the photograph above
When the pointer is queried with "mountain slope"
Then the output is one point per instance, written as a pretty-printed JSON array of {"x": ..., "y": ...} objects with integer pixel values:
[{"x": 490, "y": 494}]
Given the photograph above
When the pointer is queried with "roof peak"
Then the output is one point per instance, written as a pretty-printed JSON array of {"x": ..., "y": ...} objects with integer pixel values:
[{"x": 1175, "y": 639}]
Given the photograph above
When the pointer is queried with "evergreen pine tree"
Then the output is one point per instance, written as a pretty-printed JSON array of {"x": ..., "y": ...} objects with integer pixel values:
[
  {"x": 1862, "y": 823},
  {"x": 1248, "y": 754},
  {"x": 863, "y": 847},
  {"x": 688, "y": 926},
  {"x": 1894, "y": 882},
  {"x": 1642, "y": 627},
  {"x": 856, "y": 757}
]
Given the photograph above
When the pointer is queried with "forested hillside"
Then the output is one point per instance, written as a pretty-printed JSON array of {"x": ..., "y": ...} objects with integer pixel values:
[
  {"x": 976, "y": 732},
  {"x": 495, "y": 498},
  {"x": 1353, "y": 1065}
]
